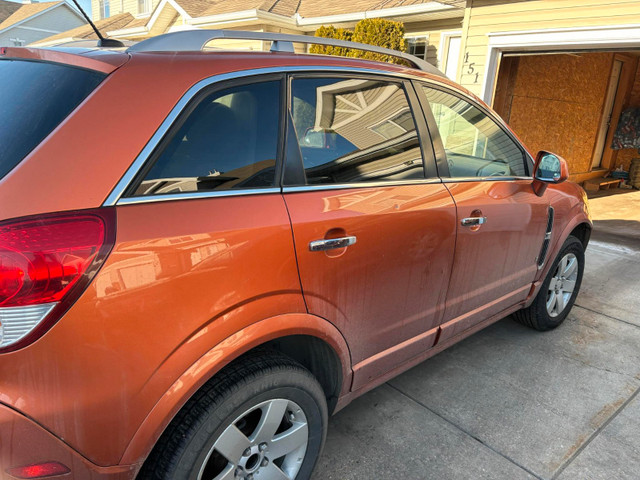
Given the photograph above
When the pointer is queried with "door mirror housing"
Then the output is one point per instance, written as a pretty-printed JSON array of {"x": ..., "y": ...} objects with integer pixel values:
[{"x": 549, "y": 168}]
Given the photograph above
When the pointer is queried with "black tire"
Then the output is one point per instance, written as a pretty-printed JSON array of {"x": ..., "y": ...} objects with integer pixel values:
[
  {"x": 182, "y": 450},
  {"x": 536, "y": 315}
]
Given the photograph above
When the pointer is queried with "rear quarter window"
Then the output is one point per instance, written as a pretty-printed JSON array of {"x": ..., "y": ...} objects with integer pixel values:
[{"x": 36, "y": 98}]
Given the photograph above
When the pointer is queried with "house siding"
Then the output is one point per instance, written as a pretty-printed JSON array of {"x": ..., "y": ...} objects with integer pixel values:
[
  {"x": 491, "y": 16},
  {"x": 119, "y": 6},
  {"x": 48, "y": 23}
]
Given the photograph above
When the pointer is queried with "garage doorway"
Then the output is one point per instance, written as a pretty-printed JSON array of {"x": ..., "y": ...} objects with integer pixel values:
[{"x": 567, "y": 102}]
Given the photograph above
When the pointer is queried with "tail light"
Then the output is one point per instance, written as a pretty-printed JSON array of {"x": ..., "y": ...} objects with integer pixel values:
[{"x": 46, "y": 262}]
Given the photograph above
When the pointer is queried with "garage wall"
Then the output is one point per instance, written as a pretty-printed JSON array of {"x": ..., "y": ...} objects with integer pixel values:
[
  {"x": 557, "y": 104},
  {"x": 487, "y": 16}
]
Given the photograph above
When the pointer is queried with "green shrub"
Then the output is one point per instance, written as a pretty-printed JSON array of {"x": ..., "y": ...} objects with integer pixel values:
[
  {"x": 372, "y": 31},
  {"x": 332, "y": 32},
  {"x": 380, "y": 32}
]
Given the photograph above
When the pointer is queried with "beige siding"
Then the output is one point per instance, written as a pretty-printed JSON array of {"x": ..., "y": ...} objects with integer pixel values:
[
  {"x": 433, "y": 31},
  {"x": 491, "y": 16}
]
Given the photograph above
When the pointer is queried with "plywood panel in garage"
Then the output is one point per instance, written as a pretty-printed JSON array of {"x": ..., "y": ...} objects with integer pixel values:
[{"x": 557, "y": 104}]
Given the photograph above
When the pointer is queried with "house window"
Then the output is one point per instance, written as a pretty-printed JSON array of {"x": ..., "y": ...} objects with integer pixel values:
[
  {"x": 104, "y": 8},
  {"x": 144, "y": 6},
  {"x": 418, "y": 46}
]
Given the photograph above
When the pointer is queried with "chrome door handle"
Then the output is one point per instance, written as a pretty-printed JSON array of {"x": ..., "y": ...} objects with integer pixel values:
[
  {"x": 331, "y": 244},
  {"x": 473, "y": 221}
]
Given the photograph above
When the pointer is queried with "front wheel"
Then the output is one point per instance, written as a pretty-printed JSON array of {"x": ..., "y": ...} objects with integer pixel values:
[
  {"x": 558, "y": 291},
  {"x": 263, "y": 418}
]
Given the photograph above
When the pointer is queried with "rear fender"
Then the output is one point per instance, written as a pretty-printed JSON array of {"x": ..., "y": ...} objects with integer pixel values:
[{"x": 222, "y": 354}]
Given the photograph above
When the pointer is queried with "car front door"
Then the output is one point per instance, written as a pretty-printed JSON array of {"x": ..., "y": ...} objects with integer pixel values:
[
  {"x": 374, "y": 234},
  {"x": 501, "y": 222}
]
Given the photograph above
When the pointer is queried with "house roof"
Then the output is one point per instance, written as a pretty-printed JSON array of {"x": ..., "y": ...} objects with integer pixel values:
[
  {"x": 314, "y": 8},
  {"x": 124, "y": 25},
  {"x": 306, "y": 8},
  {"x": 25, "y": 11},
  {"x": 7, "y": 8},
  {"x": 115, "y": 22}
]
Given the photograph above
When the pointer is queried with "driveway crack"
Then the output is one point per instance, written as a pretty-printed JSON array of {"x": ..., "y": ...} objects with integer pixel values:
[
  {"x": 596, "y": 432},
  {"x": 605, "y": 315}
]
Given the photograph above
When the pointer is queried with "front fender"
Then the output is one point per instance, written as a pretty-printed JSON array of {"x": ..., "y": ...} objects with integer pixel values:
[
  {"x": 222, "y": 354},
  {"x": 570, "y": 203}
]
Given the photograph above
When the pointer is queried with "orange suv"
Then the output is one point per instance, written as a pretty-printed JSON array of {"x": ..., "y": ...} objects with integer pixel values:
[{"x": 204, "y": 254}]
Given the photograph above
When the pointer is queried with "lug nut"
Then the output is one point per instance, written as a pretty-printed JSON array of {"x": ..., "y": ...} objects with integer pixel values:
[
  {"x": 250, "y": 476},
  {"x": 265, "y": 462},
  {"x": 263, "y": 447},
  {"x": 246, "y": 453}
]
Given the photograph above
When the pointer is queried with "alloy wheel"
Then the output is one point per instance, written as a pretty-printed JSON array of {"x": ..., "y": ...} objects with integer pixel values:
[
  {"x": 266, "y": 442},
  {"x": 562, "y": 285}
]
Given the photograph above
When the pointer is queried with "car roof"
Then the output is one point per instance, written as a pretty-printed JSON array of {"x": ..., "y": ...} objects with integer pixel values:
[{"x": 107, "y": 60}]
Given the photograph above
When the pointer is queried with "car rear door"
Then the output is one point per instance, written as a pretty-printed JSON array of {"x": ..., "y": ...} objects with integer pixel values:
[
  {"x": 374, "y": 234},
  {"x": 501, "y": 221}
]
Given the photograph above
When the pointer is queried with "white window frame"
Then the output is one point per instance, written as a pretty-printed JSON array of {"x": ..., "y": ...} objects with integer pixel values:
[
  {"x": 147, "y": 9},
  {"x": 424, "y": 37},
  {"x": 610, "y": 37},
  {"x": 443, "y": 50}
]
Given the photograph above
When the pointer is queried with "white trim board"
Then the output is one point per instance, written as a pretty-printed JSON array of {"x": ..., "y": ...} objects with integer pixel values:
[{"x": 609, "y": 37}]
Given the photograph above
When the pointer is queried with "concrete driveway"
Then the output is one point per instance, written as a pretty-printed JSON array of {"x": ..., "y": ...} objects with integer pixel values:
[{"x": 513, "y": 403}]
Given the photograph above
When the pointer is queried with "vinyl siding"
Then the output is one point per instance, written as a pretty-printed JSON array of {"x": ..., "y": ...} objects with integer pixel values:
[
  {"x": 57, "y": 20},
  {"x": 433, "y": 31},
  {"x": 491, "y": 16}
]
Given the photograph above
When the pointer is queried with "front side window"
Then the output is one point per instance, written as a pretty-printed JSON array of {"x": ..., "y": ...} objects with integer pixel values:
[
  {"x": 228, "y": 141},
  {"x": 354, "y": 130},
  {"x": 474, "y": 143}
]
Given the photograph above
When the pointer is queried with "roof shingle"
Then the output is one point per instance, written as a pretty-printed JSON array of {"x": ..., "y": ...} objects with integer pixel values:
[
  {"x": 7, "y": 8},
  {"x": 25, "y": 11},
  {"x": 116, "y": 22}
]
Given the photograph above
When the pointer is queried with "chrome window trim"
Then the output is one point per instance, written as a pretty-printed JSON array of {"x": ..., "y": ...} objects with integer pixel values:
[
  {"x": 346, "y": 186},
  {"x": 115, "y": 197},
  {"x": 193, "y": 195},
  {"x": 484, "y": 179}
]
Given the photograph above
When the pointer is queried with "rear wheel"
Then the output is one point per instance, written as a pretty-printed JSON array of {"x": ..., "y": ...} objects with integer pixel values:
[
  {"x": 558, "y": 291},
  {"x": 264, "y": 418}
]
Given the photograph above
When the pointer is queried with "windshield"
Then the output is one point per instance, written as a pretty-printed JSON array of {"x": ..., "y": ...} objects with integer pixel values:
[{"x": 36, "y": 98}]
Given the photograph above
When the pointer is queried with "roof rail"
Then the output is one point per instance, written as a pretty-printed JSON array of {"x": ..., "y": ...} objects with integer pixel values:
[{"x": 195, "y": 40}]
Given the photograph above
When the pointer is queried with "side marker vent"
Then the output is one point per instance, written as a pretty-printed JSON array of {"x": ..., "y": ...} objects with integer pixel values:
[{"x": 547, "y": 239}]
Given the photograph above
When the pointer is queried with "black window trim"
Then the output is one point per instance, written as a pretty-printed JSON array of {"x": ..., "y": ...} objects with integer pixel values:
[
  {"x": 427, "y": 154},
  {"x": 440, "y": 154}
]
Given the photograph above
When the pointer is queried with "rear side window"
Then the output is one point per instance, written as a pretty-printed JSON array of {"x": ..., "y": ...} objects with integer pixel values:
[
  {"x": 36, "y": 98},
  {"x": 228, "y": 141},
  {"x": 355, "y": 130}
]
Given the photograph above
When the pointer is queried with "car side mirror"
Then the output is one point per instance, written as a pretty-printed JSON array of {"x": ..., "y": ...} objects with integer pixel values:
[{"x": 549, "y": 168}]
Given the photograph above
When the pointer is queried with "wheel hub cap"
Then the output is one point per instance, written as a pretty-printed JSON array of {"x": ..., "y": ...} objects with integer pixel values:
[
  {"x": 562, "y": 285},
  {"x": 268, "y": 441}
]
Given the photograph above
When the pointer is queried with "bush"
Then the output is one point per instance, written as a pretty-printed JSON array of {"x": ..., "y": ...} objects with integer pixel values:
[
  {"x": 332, "y": 32},
  {"x": 372, "y": 31}
]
